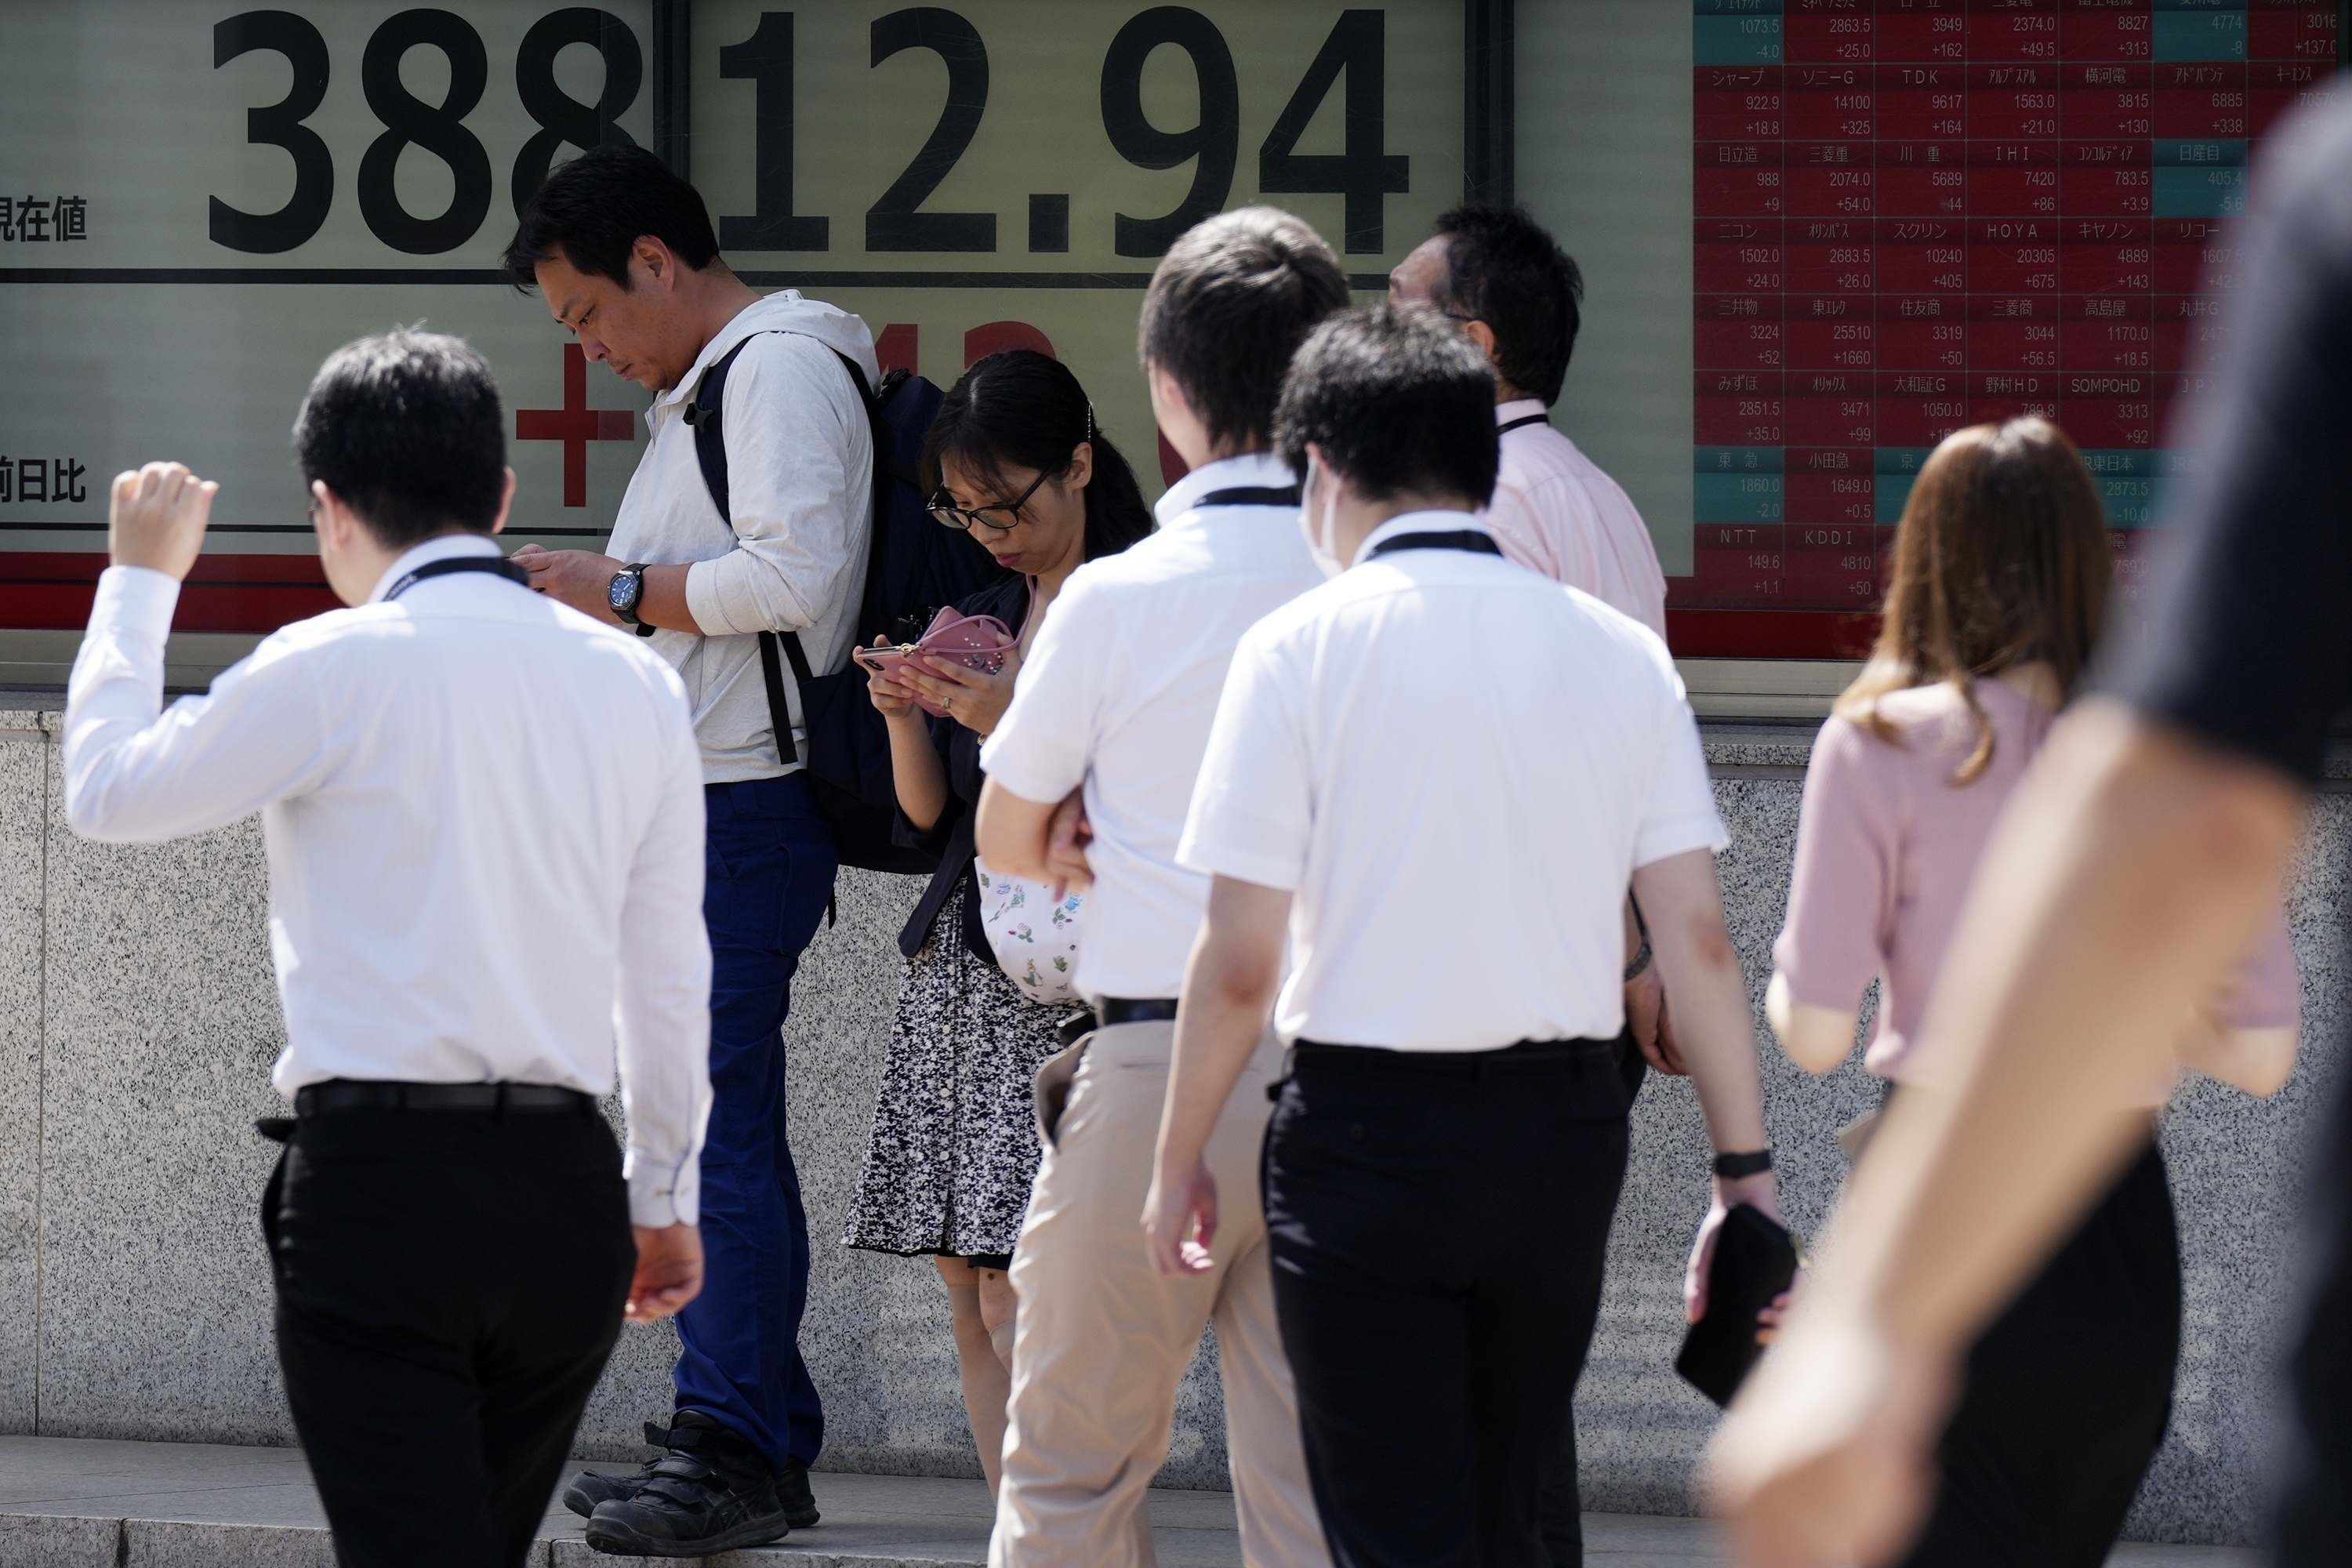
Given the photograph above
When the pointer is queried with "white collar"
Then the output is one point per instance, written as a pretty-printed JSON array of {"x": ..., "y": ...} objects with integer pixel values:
[
  {"x": 1250, "y": 471},
  {"x": 1520, "y": 408},
  {"x": 441, "y": 548},
  {"x": 1418, "y": 522}
]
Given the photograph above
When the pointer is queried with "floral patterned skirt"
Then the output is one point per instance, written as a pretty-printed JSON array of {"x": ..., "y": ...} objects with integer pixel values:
[{"x": 953, "y": 1149}]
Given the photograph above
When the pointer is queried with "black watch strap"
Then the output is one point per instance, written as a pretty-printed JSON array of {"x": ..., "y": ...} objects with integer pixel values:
[
  {"x": 1732, "y": 1167},
  {"x": 629, "y": 614}
]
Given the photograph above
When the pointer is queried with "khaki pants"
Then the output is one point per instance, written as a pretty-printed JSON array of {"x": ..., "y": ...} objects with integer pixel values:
[{"x": 1103, "y": 1341}]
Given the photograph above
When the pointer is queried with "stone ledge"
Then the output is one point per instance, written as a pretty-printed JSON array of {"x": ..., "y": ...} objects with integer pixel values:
[{"x": 74, "y": 1503}]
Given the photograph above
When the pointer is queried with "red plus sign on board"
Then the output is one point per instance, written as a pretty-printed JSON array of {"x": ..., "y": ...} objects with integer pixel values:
[{"x": 575, "y": 424}]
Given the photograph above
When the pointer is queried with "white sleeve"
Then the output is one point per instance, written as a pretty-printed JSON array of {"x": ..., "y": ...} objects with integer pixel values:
[
  {"x": 133, "y": 776},
  {"x": 1254, "y": 805},
  {"x": 1680, "y": 815},
  {"x": 1043, "y": 746},
  {"x": 661, "y": 1007},
  {"x": 799, "y": 487}
]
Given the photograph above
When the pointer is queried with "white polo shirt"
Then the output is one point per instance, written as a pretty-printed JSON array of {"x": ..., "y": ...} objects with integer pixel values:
[
  {"x": 1456, "y": 764},
  {"x": 1118, "y": 693},
  {"x": 1555, "y": 511}
]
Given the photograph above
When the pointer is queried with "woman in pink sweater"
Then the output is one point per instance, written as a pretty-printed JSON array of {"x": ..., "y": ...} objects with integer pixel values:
[{"x": 2003, "y": 575}]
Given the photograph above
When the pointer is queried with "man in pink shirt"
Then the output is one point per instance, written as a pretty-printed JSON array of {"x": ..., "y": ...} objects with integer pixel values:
[{"x": 1514, "y": 291}]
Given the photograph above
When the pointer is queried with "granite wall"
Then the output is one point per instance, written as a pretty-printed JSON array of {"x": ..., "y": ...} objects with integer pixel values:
[{"x": 138, "y": 1023}]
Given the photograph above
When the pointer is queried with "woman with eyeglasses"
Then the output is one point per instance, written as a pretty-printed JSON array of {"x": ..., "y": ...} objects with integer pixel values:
[{"x": 1016, "y": 459}]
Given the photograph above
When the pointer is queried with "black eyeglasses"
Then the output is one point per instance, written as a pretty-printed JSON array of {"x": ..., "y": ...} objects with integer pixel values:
[{"x": 943, "y": 507}]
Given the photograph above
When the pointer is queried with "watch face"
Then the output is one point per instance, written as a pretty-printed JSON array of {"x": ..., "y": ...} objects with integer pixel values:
[{"x": 622, "y": 593}]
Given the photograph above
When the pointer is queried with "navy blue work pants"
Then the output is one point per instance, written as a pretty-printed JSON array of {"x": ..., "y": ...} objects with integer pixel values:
[{"x": 769, "y": 869}]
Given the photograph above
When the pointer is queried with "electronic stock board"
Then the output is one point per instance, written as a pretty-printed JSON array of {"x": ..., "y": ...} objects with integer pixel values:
[
  {"x": 198, "y": 201},
  {"x": 1913, "y": 216}
]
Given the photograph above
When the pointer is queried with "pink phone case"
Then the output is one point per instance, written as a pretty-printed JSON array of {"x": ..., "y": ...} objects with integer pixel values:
[{"x": 977, "y": 642}]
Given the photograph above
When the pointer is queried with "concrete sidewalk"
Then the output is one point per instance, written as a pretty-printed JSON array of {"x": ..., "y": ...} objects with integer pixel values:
[{"x": 72, "y": 1503}]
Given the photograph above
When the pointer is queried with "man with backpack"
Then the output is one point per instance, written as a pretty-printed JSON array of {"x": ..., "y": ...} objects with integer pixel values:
[{"x": 728, "y": 549}]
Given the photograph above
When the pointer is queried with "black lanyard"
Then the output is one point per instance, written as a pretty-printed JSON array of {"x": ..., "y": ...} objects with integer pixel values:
[
  {"x": 1468, "y": 539},
  {"x": 499, "y": 565},
  {"x": 1508, "y": 425},
  {"x": 1248, "y": 495}
]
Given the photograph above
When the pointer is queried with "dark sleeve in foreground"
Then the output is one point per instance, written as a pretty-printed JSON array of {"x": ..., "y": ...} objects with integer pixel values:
[{"x": 2250, "y": 631}]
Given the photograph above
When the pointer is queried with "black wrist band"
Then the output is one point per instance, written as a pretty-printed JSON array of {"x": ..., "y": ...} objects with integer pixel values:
[{"x": 1732, "y": 1167}]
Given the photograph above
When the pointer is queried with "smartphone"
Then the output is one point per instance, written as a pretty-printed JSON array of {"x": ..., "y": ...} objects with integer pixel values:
[{"x": 889, "y": 661}]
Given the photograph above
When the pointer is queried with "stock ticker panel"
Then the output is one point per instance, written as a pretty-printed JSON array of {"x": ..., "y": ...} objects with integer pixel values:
[{"x": 1914, "y": 216}]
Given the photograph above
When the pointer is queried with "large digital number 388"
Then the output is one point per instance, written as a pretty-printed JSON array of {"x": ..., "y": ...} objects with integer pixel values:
[{"x": 437, "y": 128}]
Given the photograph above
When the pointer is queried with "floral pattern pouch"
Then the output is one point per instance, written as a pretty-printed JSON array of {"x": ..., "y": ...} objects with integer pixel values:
[{"x": 1035, "y": 939}]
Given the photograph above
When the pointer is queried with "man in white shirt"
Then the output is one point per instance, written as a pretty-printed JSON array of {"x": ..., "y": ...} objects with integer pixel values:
[
  {"x": 1516, "y": 294},
  {"x": 1403, "y": 785},
  {"x": 484, "y": 820},
  {"x": 1116, "y": 697},
  {"x": 623, "y": 252}
]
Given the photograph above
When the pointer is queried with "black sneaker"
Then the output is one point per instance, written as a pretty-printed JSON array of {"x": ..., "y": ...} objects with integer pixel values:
[
  {"x": 711, "y": 1493},
  {"x": 588, "y": 1488},
  {"x": 793, "y": 1491}
]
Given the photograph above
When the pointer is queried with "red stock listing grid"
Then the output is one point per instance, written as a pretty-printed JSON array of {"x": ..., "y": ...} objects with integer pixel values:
[{"x": 1914, "y": 216}]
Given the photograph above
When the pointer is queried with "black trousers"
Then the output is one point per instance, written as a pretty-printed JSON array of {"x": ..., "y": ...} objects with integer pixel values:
[
  {"x": 1563, "y": 1505},
  {"x": 1436, "y": 1231},
  {"x": 450, "y": 1285},
  {"x": 2066, "y": 1396}
]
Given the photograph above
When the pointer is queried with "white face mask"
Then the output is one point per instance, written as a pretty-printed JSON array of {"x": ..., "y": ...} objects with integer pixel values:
[{"x": 1323, "y": 543}]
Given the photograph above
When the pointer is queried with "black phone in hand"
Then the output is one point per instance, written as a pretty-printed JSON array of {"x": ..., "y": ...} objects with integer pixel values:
[{"x": 1755, "y": 1261}]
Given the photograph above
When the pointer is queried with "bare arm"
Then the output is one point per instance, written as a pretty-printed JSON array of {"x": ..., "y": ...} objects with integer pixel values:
[
  {"x": 1229, "y": 987},
  {"x": 2131, "y": 867},
  {"x": 1014, "y": 834},
  {"x": 2256, "y": 1061},
  {"x": 1715, "y": 1033},
  {"x": 1816, "y": 1038},
  {"x": 916, "y": 775}
]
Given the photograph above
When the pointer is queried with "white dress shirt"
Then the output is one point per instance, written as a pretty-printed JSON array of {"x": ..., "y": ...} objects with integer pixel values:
[
  {"x": 1455, "y": 765},
  {"x": 1556, "y": 512},
  {"x": 799, "y": 487},
  {"x": 484, "y": 820},
  {"x": 1118, "y": 693}
]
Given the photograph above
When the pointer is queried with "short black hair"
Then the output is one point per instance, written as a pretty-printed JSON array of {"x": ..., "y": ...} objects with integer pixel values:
[
  {"x": 1503, "y": 269},
  {"x": 405, "y": 428},
  {"x": 1398, "y": 400},
  {"x": 1229, "y": 304},
  {"x": 593, "y": 210}
]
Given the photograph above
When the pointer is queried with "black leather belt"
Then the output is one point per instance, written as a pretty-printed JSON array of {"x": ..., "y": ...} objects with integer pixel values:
[
  {"x": 1134, "y": 1010},
  {"x": 1525, "y": 1057},
  {"x": 520, "y": 1098}
]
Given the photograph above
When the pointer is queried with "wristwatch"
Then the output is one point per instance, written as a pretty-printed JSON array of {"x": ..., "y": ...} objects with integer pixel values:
[{"x": 623, "y": 593}]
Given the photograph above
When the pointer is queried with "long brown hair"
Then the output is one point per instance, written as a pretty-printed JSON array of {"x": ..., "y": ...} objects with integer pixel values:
[{"x": 2001, "y": 559}]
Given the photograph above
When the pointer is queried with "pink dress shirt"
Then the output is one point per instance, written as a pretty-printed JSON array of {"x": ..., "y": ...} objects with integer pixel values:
[
  {"x": 1556, "y": 512},
  {"x": 1886, "y": 844}
]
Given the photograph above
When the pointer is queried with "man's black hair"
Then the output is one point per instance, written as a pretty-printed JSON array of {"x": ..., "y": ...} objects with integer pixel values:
[
  {"x": 1398, "y": 400},
  {"x": 1229, "y": 304},
  {"x": 593, "y": 210},
  {"x": 1502, "y": 269},
  {"x": 405, "y": 427}
]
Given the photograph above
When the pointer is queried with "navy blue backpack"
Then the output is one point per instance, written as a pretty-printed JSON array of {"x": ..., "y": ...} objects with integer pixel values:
[{"x": 913, "y": 567}]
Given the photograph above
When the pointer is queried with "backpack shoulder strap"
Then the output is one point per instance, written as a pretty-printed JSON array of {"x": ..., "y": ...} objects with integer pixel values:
[
  {"x": 711, "y": 433},
  {"x": 703, "y": 416}
]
